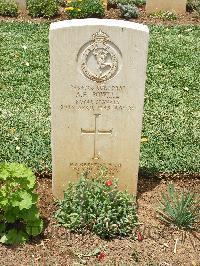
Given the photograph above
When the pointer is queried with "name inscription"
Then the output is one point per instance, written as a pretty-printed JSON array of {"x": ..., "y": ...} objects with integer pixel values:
[{"x": 97, "y": 98}]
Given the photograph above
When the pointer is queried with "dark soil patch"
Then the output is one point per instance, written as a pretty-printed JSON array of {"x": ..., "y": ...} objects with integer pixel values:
[{"x": 57, "y": 246}]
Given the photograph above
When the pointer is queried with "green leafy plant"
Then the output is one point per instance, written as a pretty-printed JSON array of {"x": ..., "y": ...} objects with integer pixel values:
[
  {"x": 19, "y": 216},
  {"x": 140, "y": 2},
  {"x": 114, "y": 3},
  {"x": 97, "y": 205},
  {"x": 85, "y": 9},
  {"x": 8, "y": 8},
  {"x": 137, "y": 3},
  {"x": 182, "y": 210},
  {"x": 42, "y": 8},
  {"x": 165, "y": 15},
  {"x": 128, "y": 11}
]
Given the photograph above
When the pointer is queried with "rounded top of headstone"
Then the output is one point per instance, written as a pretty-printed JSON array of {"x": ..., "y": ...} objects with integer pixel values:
[{"x": 98, "y": 22}]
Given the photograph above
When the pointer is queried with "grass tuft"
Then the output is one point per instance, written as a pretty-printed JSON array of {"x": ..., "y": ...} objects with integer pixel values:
[{"x": 182, "y": 210}]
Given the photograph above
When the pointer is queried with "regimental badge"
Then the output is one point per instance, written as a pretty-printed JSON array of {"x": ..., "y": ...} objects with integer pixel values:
[{"x": 99, "y": 59}]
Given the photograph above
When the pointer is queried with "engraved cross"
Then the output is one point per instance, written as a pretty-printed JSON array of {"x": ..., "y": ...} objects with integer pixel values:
[{"x": 96, "y": 132}]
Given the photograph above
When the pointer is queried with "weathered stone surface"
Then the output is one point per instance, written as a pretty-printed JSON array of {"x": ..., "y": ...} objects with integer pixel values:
[
  {"x": 177, "y": 6},
  {"x": 98, "y": 72},
  {"x": 21, "y": 4}
]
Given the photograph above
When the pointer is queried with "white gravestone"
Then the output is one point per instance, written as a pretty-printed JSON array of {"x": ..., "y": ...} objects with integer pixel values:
[{"x": 98, "y": 73}]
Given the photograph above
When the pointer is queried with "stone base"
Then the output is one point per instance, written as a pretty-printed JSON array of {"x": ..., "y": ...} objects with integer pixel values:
[{"x": 177, "y": 6}]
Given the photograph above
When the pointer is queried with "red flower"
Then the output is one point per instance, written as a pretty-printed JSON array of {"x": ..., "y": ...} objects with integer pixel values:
[
  {"x": 140, "y": 238},
  {"x": 108, "y": 183},
  {"x": 101, "y": 256}
]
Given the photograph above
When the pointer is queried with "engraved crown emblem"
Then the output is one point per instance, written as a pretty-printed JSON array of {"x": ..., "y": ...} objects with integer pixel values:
[
  {"x": 100, "y": 37},
  {"x": 99, "y": 58}
]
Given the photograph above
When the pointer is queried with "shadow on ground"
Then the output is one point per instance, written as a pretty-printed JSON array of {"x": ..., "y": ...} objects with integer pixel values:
[{"x": 148, "y": 179}]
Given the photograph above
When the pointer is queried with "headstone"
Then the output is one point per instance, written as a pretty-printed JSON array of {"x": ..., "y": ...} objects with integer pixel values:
[
  {"x": 98, "y": 72},
  {"x": 177, "y": 6},
  {"x": 21, "y": 4}
]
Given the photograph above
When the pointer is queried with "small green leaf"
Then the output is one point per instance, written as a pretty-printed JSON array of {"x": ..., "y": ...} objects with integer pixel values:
[
  {"x": 2, "y": 228},
  {"x": 14, "y": 237},
  {"x": 12, "y": 214},
  {"x": 4, "y": 174},
  {"x": 3, "y": 239},
  {"x": 34, "y": 228},
  {"x": 31, "y": 215},
  {"x": 23, "y": 200}
]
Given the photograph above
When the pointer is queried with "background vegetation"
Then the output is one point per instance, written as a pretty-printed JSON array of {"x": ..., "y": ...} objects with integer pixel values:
[
  {"x": 85, "y": 9},
  {"x": 42, "y": 8},
  {"x": 8, "y": 8}
]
